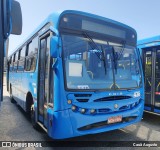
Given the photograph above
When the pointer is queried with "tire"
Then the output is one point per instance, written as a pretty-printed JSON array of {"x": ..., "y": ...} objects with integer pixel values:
[
  {"x": 33, "y": 119},
  {"x": 11, "y": 96}
]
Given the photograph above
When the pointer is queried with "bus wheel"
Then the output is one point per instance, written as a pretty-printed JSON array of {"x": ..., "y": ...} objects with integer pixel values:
[
  {"x": 11, "y": 96},
  {"x": 33, "y": 119}
]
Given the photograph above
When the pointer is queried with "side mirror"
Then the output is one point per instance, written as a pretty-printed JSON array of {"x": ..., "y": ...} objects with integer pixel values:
[
  {"x": 54, "y": 47},
  {"x": 12, "y": 18},
  {"x": 16, "y": 15}
]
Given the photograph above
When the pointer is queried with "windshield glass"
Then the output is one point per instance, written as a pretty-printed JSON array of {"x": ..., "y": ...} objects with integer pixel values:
[{"x": 99, "y": 64}]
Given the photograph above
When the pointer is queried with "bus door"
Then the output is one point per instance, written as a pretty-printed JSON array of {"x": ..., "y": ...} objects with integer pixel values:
[
  {"x": 148, "y": 79},
  {"x": 157, "y": 81},
  {"x": 43, "y": 78},
  {"x": 152, "y": 79}
]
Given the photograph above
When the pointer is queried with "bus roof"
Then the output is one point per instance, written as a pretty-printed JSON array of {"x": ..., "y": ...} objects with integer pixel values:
[
  {"x": 149, "y": 42},
  {"x": 55, "y": 17}
]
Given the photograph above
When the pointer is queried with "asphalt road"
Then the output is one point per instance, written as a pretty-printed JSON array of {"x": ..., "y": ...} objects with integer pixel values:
[{"x": 15, "y": 126}]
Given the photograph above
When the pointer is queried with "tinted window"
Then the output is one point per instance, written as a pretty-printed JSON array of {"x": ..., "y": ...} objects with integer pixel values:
[
  {"x": 10, "y": 61},
  {"x": 31, "y": 59},
  {"x": 33, "y": 64},
  {"x": 23, "y": 52},
  {"x": 19, "y": 54},
  {"x": 20, "y": 61},
  {"x": 15, "y": 61},
  {"x": 28, "y": 64},
  {"x": 33, "y": 47},
  {"x": 10, "y": 64},
  {"x": 158, "y": 64},
  {"x": 14, "y": 57},
  {"x": 29, "y": 49}
]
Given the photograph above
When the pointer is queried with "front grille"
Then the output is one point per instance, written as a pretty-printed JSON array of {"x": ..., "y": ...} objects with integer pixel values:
[
  {"x": 105, "y": 124},
  {"x": 110, "y": 98},
  {"x": 82, "y": 97},
  {"x": 104, "y": 110}
]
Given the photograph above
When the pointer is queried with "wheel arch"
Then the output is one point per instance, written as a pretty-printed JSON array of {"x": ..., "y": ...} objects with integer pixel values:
[{"x": 29, "y": 101}]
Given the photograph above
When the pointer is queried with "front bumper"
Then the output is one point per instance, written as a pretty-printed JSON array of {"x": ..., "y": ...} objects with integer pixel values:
[{"x": 67, "y": 123}]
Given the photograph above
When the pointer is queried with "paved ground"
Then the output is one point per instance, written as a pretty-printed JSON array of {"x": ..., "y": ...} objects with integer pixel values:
[{"x": 14, "y": 125}]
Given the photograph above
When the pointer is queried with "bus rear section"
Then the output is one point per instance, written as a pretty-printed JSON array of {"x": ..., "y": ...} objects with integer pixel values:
[
  {"x": 150, "y": 54},
  {"x": 89, "y": 76}
]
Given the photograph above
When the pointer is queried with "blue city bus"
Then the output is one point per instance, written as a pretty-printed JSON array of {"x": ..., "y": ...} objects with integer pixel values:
[
  {"x": 78, "y": 74},
  {"x": 150, "y": 53}
]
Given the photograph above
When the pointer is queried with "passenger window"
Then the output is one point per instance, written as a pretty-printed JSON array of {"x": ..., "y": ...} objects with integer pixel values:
[
  {"x": 16, "y": 57},
  {"x": 29, "y": 49},
  {"x": 20, "y": 62},
  {"x": 33, "y": 47},
  {"x": 28, "y": 64},
  {"x": 19, "y": 54},
  {"x": 23, "y": 53},
  {"x": 11, "y": 64},
  {"x": 15, "y": 61},
  {"x": 31, "y": 58},
  {"x": 33, "y": 63}
]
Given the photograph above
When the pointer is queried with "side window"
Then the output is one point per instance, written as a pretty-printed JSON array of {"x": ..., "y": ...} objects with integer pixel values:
[
  {"x": 29, "y": 49},
  {"x": 157, "y": 72},
  {"x": 32, "y": 52},
  {"x": 21, "y": 61},
  {"x": 15, "y": 61},
  {"x": 18, "y": 61},
  {"x": 28, "y": 60},
  {"x": 23, "y": 53},
  {"x": 10, "y": 64}
]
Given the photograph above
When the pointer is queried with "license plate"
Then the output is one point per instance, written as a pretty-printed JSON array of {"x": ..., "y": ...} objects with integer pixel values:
[{"x": 114, "y": 119}]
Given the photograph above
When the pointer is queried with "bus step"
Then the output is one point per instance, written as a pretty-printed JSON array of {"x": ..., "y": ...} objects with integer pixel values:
[{"x": 42, "y": 126}]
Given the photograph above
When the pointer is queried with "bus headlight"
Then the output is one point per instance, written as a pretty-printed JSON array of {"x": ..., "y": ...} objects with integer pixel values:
[
  {"x": 92, "y": 111},
  {"x": 137, "y": 94},
  {"x": 83, "y": 110},
  {"x": 74, "y": 108},
  {"x": 69, "y": 101}
]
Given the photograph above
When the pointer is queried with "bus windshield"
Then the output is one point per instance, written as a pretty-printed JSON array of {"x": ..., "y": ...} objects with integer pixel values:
[{"x": 98, "y": 64}]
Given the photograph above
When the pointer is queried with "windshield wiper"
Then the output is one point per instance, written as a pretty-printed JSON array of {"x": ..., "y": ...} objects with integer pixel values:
[
  {"x": 92, "y": 44},
  {"x": 95, "y": 46},
  {"x": 104, "y": 59},
  {"x": 114, "y": 59}
]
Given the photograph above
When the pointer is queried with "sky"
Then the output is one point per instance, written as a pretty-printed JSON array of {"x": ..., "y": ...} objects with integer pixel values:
[{"x": 142, "y": 15}]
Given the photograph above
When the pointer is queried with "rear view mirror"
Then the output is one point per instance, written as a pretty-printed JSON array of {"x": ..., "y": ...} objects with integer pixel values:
[
  {"x": 12, "y": 18},
  {"x": 54, "y": 46},
  {"x": 16, "y": 15}
]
